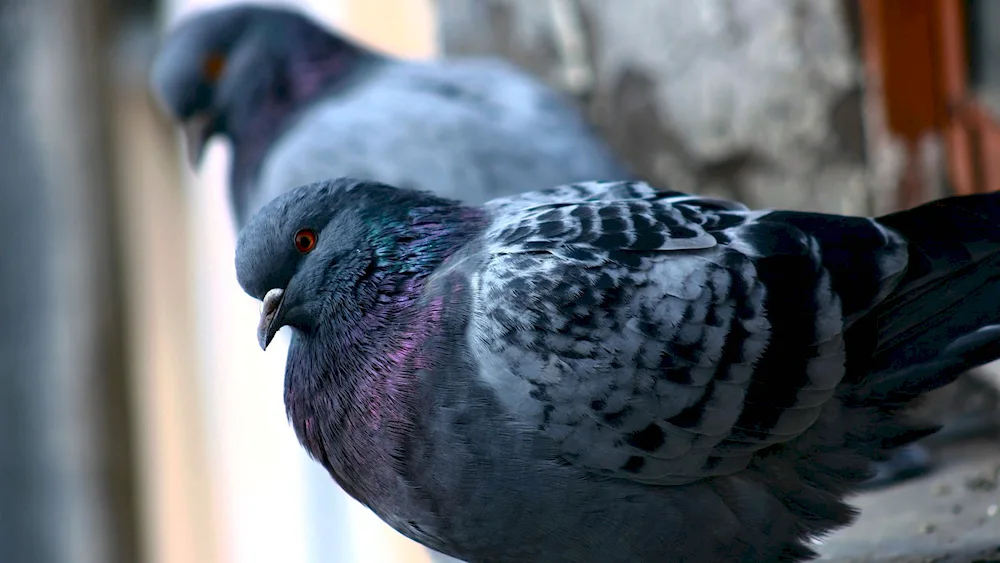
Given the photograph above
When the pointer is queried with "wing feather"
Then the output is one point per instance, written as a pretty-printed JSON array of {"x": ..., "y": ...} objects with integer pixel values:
[{"x": 664, "y": 337}]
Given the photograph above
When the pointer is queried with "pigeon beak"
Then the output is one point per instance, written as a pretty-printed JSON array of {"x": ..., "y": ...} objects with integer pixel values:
[
  {"x": 269, "y": 308},
  {"x": 196, "y": 133}
]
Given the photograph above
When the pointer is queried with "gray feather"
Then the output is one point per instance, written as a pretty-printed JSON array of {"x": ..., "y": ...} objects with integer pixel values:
[{"x": 472, "y": 130}]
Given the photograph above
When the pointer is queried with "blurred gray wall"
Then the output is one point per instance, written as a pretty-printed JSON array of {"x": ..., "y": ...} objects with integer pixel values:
[
  {"x": 66, "y": 479},
  {"x": 760, "y": 100}
]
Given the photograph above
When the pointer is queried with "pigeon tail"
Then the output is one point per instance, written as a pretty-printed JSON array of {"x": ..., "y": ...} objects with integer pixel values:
[
  {"x": 938, "y": 318},
  {"x": 943, "y": 317}
]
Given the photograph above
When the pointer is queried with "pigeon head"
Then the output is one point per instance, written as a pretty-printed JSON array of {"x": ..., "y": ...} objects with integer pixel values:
[
  {"x": 329, "y": 252},
  {"x": 219, "y": 70}
]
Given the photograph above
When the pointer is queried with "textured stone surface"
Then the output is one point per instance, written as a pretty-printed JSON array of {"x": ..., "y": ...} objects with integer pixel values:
[
  {"x": 989, "y": 374},
  {"x": 951, "y": 516},
  {"x": 758, "y": 99}
]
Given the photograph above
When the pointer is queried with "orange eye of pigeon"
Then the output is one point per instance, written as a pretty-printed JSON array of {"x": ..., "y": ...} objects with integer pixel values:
[
  {"x": 305, "y": 240},
  {"x": 213, "y": 66}
]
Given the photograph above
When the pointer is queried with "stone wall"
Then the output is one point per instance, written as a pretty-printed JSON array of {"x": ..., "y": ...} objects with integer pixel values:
[{"x": 760, "y": 100}]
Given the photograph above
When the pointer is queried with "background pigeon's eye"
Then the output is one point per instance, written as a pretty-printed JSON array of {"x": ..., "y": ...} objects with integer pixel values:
[
  {"x": 212, "y": 66},
  {"x": 305, "y": 240}
]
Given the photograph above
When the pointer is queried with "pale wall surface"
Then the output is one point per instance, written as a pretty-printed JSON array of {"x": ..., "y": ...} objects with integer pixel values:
[{"x": 757, "y": 99}]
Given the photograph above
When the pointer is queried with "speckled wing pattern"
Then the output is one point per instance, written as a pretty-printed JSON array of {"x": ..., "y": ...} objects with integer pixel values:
[{"x": 664, "y": 337}]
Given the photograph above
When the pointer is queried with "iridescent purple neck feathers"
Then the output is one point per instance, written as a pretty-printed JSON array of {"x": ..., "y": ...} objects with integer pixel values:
[
  {"x": 351, "y": 388},
  {"x": 366, "y": 304}
]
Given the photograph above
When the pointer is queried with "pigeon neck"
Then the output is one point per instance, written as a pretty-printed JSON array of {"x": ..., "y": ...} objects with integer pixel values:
[
  {"x": 351, "y": 387},
  {"x": 392, "y": 312},
  {"x": 254, "y": 129}
]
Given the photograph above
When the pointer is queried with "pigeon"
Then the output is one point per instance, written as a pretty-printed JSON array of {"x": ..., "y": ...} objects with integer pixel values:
[
  {"x": 606, "y": 372},
  {"x": 302, "y": 104},
  {"x": 299, "y": 103}
]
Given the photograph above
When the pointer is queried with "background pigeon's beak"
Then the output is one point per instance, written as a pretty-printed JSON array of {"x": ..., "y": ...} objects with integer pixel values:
[
  {"x": 196, "y": 133},
  {"x": 268, "y": 315}
]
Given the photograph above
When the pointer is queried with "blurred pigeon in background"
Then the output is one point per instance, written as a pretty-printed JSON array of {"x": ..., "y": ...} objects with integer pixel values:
[
  {"x": 606, "y": 373},
  {"x": 300, "y": 103}
]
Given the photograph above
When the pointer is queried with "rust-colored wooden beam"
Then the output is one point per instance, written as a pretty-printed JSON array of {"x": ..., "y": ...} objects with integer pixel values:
[
  {"x": 953, "y": 81},
  {"x": 900, "y": 39},
  {"x": 916, "y": 52}
]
